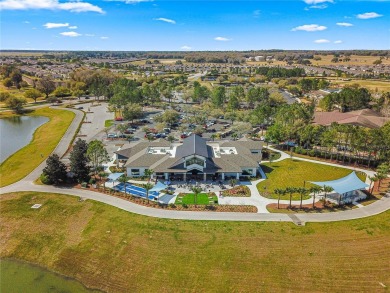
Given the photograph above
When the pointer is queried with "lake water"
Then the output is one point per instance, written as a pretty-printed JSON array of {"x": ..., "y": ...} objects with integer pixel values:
[
  {"x": 17, "y": 132},
  {"x": 22, "y": 277}
]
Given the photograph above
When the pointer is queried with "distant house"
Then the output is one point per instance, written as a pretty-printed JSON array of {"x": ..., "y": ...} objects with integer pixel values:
[{"x": 365, "y": 118}]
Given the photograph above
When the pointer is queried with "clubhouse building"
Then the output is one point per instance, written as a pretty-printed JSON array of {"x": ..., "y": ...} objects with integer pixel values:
[{"x": 194, "y": 158}]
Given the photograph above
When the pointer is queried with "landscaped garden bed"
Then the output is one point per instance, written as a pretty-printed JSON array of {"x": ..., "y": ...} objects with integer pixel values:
[
  {"x": 178, "y": 207},
  {"x": 238, "y": 191},
  {"x": 308, "y": 208}
]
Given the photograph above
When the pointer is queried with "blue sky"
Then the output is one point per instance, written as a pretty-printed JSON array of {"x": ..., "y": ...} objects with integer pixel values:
[{"x": 194, "y": 25}]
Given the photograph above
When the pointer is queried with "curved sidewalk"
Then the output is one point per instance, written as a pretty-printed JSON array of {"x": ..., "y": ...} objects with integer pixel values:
[{"x": 27, "y": 184}]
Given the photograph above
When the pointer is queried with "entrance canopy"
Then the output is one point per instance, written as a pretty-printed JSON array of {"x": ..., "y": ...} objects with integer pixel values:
[
  {"x": 159, "y": 186},
  {"x": 343, "y": 185},
  {"x": 114, "y": 176}
]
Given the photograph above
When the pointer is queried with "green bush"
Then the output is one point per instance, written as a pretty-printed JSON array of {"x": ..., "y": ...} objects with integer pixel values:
[{"x": 45, "y": 179}]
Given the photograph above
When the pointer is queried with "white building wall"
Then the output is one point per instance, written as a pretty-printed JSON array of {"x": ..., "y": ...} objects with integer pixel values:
[{"x": 141, "y": 171}]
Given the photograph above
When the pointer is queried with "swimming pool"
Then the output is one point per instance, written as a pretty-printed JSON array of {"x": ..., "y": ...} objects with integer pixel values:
[{"x": 136, "y": 190}]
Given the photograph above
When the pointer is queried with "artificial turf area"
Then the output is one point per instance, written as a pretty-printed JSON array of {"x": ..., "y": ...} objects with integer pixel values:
[
  {"x": 117, "y": 251},
  {"x": 189, "y": 198},
  {"x": 44, "y": 141},
  {"x": 293, "y": 173}
]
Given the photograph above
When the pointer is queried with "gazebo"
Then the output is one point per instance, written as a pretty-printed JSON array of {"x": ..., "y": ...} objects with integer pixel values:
[{"x": 349, "y": 188}]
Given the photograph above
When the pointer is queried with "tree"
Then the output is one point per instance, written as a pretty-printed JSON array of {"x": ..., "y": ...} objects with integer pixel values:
[
  {"x": 302, "y": 191},
  {"x": 291, "y": 191},
  {"x": 149, "y": 173},
  {"x": 15, "y": 103},
  {"x": 97, "y": 154},
  {"x": 171, "y": 138},
  {"x": 327, "y": 190},
  {"x": 196, "y": 190},
  {"x": 46, "y": 86},
  {"x": 32, "y": 94},
  {"x": 123, "y": 179},
  {"x": 373, "y": 179},
  {"x": 132, "y": 111},
  {"x": 7, "y": 82},
  {"x": 4, "y": 96},
  {"x": 233, "y": 182},
  {"x": 148, "y": 186},
  {"x": 78, "y": 89},
  {"x": 55, "y": 170},
  {"x": 16, "y": 78},
  {"x": 315, "y": 190},
  {"x": 121, "y": 128},
  {"x": 218, "y": 96},
  {"x": 79, "y": 161},
  {"x": 61, "y": 92},
  {"x": 279, "y": 192}
]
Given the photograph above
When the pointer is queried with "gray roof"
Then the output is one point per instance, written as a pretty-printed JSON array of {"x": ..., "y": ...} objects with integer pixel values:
[{"x": 192, "y": 145}]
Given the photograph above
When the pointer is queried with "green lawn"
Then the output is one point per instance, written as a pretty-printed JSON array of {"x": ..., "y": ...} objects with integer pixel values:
[
  {"x": 188, "y": 198},
  {"x": 117, "y": 251},
  {"x": 293, "y": 173},
  {"x": 108, "y": 123},
  {"x": 44, "y": 141}
]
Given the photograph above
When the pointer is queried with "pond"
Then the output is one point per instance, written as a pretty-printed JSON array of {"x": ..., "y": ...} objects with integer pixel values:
[
  {"x": 22, "y": 277},
  {"x": 17, "y": 132}
]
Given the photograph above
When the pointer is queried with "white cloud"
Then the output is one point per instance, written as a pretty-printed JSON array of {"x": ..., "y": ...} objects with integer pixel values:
[
  {"x": 55, "y": 25},
  {"x": 322, "y": 6},
  {"x": 222, "y": 39},
  {"x": 185, "y": 47},
  {"x": 130, "y": 1},
  {"x": 104, "y": 38},
  {"x": 338, "y": 42},
  {"x": 344, "y": 24},
  {"x": 70, "y": 34},
  {"x": 26, "y": 21},
  {"x": 369, "y": 15},
  {"x": 321, "y": 41},
  {"x": 166, "y": 20},
  {"x": 256, "y": 13},
  {"x": 75, "y": 6},
  {"x": 315, "y": 2},
  {"x": 89, "y": 35},
  {"x": 310, "y": 28},
  {"x": 73, "y": 27}
]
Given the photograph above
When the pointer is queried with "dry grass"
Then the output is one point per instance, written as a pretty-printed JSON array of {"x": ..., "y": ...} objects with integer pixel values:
[
  {"x": 117, "y": 251},
  {"x": 355, "y": 60},
  {"x": 373, "y": 85}
]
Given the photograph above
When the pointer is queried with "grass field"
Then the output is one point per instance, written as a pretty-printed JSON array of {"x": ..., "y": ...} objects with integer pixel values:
[
  {"x": 203, "y": 199},
  {"x": 44, "y": 141},
  {"x": 372, "y": 85},
  {"x": 293, "y": 173},
  {"x": 117, "y": 251}
]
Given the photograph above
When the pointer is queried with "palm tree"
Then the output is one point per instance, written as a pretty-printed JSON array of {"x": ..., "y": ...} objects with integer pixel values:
[
  {"x": 148, "y": 173},
  {"x": 291, "y": 191},
  {"x": 279, "y": 192},
  {"x": 326, "y": 189},
  {"x": 213, "y": 136},
  {"x": 147, "y": 186},
  {"x": 234, "y": 136},
  {"x": 123, "y": 179},
  {"x": 233, "y": 182},
  {"x": 103, "y": 175},
  {"x": 302, "y": 191},
  {"x": 171, "y": 138},
  {"x": 196, "y": 190},
  {"x": 315, "y": 190}
]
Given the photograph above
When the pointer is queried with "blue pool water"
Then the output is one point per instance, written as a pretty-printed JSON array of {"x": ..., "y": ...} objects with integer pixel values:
[{"x": 136, "y": 190}]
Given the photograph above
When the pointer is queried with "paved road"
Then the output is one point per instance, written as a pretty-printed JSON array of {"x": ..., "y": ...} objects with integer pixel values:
[{"x": 26, "y": 184}]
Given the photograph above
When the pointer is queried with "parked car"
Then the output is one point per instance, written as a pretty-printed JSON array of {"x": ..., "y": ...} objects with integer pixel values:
[
  {"x": 112, "y": 135},
  {"x": 129, "y": 131},
  {"x": 118, "y": 119},
  {"x": 145, "y": 121},
  {"x": 80, "y": 108}
]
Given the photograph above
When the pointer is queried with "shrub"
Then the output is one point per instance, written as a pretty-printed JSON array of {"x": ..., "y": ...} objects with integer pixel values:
[
  {"x": 45, "y": 179},
  {"x": 172, "y": 205}
]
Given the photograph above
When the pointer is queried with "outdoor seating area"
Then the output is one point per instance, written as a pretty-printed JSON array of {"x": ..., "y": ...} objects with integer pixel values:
[{"x": 208, "y": 186}]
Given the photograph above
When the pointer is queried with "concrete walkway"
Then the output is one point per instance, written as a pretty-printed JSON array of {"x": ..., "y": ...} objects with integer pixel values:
[{"x": 27, "y": 184}]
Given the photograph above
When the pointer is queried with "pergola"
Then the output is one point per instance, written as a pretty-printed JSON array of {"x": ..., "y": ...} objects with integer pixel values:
[{"x": 347, "y": 187}]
